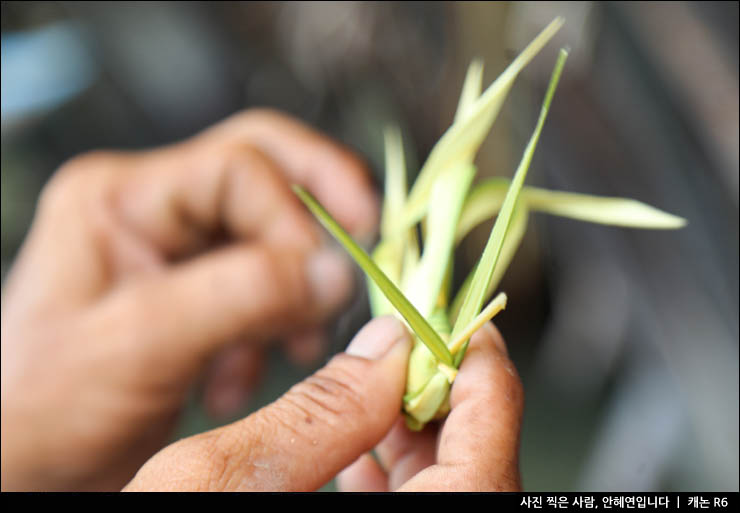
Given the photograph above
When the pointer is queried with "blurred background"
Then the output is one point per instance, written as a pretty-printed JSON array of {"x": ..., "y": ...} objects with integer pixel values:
[{"x": 626, "y": 340}]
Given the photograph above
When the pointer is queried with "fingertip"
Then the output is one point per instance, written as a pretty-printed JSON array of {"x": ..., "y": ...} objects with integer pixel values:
[
  {"x": 489, "y": 334},
  {"x": 378, "y": 336},
  {"x": 487, "y": 375}
]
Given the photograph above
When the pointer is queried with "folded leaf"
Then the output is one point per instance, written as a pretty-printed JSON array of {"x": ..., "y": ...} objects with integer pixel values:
[
  {"x": 514, "y": 236},
  {"x": 471, "y": 89},
  {"x": 395, "y": 180},
  {"x": 448, "y": 195},
  {"x": 423, "y": 407},
  {"x": 388, "y": 256},
  {"x": 462, "y": 140},
  {"x": 483, "y": 202},
  {"x": 484, "y": 270},
  {"x": 594, "y": 209},
  {"x": 488, "y": 313},
  {"x": 389, "y": 253},
  {"x": 417, "y": 323}
]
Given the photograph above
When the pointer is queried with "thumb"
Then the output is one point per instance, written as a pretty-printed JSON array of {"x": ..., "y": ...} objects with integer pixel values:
[{"x": 301, "y": 441}]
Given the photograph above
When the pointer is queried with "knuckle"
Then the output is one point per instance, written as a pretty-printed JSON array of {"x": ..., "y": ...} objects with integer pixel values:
[
  {"x": 245, "y": 167},
  {"x": 236, "y": 157},
  {"x": 257, "y": 115},
  {"x": 72, "y": 178},
  {"x": 221, "y": 457},
  {"x": 225, "y": 459},
  {"x": 188, "y": 464},
  {"x": 219, "y": 462},
  {"x": 262, "y": 113},
  {"x": 332, "y": 395}
]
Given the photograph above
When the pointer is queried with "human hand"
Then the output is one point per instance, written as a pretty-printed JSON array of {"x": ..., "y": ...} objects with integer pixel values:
[
  {"x": 302, "y": 440},
  {"x": 477, "y": 447},
  {"x": 120, "y": 297}
]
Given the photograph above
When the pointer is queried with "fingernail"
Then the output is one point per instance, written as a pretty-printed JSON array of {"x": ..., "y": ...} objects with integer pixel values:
[
  {"x": 330, "y": 278},
  {"x": 377, "y": 338}
]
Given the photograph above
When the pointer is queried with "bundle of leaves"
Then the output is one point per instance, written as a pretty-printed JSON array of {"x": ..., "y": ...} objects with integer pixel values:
[{"x": 411, "y": 276}]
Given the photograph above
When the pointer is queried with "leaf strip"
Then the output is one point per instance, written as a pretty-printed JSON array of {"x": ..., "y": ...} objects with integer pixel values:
[
  {"x": 487, "y": 263},
  {"x": 415, "y": 320},
  {"x": 461, "y": 141},
  {"x": 488, "y": 313}
]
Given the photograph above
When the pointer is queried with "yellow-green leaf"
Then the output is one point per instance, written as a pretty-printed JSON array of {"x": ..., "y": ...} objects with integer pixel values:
[
  {"x": 485, "y": 199},
  {"x": 484, "y": 270},
  {"x": 448, "y": 195},
  {"x": 514, "y": 236},
  {"x": 395, "y": 180},
  {"x": 417, "y": 323},
  {"x": 483, "y": 202},
  {"x": 462, "y": 140},
  {"x": 471, "y": 89},
  {"x": 595, "y": 209},
  {"x": 388, "y": 256}
]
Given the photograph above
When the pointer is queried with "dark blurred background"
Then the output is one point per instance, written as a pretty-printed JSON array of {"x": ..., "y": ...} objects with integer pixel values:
[{"x": 626, "y": 340}]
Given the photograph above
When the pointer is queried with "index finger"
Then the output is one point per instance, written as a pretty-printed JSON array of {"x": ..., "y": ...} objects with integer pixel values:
[
  {"x": 487, "y": 401},
  {"x": 334, "y": 174},
  {"x": 479, "y": 443}
]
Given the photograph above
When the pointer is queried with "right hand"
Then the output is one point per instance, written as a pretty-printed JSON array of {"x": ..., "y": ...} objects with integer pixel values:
[{"x": 475, "y": 449}]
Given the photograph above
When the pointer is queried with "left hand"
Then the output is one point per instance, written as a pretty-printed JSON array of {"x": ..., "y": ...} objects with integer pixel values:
[{"x": 141, "y": 268}]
